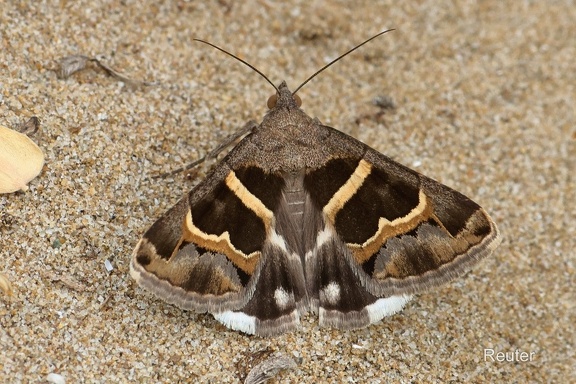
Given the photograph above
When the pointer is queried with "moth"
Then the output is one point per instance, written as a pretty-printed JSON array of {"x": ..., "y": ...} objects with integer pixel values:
[{"x": 301, "y": 217}]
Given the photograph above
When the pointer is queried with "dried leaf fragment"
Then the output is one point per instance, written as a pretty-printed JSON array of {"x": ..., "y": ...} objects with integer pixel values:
[
  {"x": 20, "y": 160},
  {"x": 30, "y": 127},
  {"x": 69, "y": 282},
  {"x": 5, "y": 285},
  {"x": 74, "y": 63},
  {"x": 268, "y": 369},
  {"x": 261, "y": 366}
]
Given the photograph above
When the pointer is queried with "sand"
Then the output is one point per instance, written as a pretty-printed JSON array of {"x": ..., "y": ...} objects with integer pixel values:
[{"x": 484, "y": 96}]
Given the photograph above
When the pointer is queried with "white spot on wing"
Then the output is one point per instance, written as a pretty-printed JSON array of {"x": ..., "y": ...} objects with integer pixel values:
[
  {"x": 282, "y": 298},
  {"x": 386, "y": 307},
  {"x": 332, "y": 293},
  {"x": 323, "y": 237},
  {"x": 295, "y": 256},
  {"x": 278, "y": 241},
  {"x": 237, "y": 321}
]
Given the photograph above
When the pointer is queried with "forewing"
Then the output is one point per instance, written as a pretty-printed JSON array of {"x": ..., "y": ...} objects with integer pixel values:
[
  {"x": 218, "y": 246},
  {"x": 389, "y": 232}
]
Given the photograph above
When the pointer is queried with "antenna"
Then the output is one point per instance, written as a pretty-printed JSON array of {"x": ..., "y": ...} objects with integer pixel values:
[
  {"x": 308, "y": 79},
  {"x": 240, "y": 60},
  {"x": 249, "y": 127},
  {"x": 338, "y": 58}
]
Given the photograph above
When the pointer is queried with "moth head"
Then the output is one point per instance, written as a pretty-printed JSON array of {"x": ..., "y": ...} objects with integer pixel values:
[{"x": 273, "y": 100}]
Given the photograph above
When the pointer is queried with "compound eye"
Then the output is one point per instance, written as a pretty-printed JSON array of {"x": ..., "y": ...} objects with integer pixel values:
[
  {"x": 271, "y": 103},
  {"x": 298, "y": 100}
]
